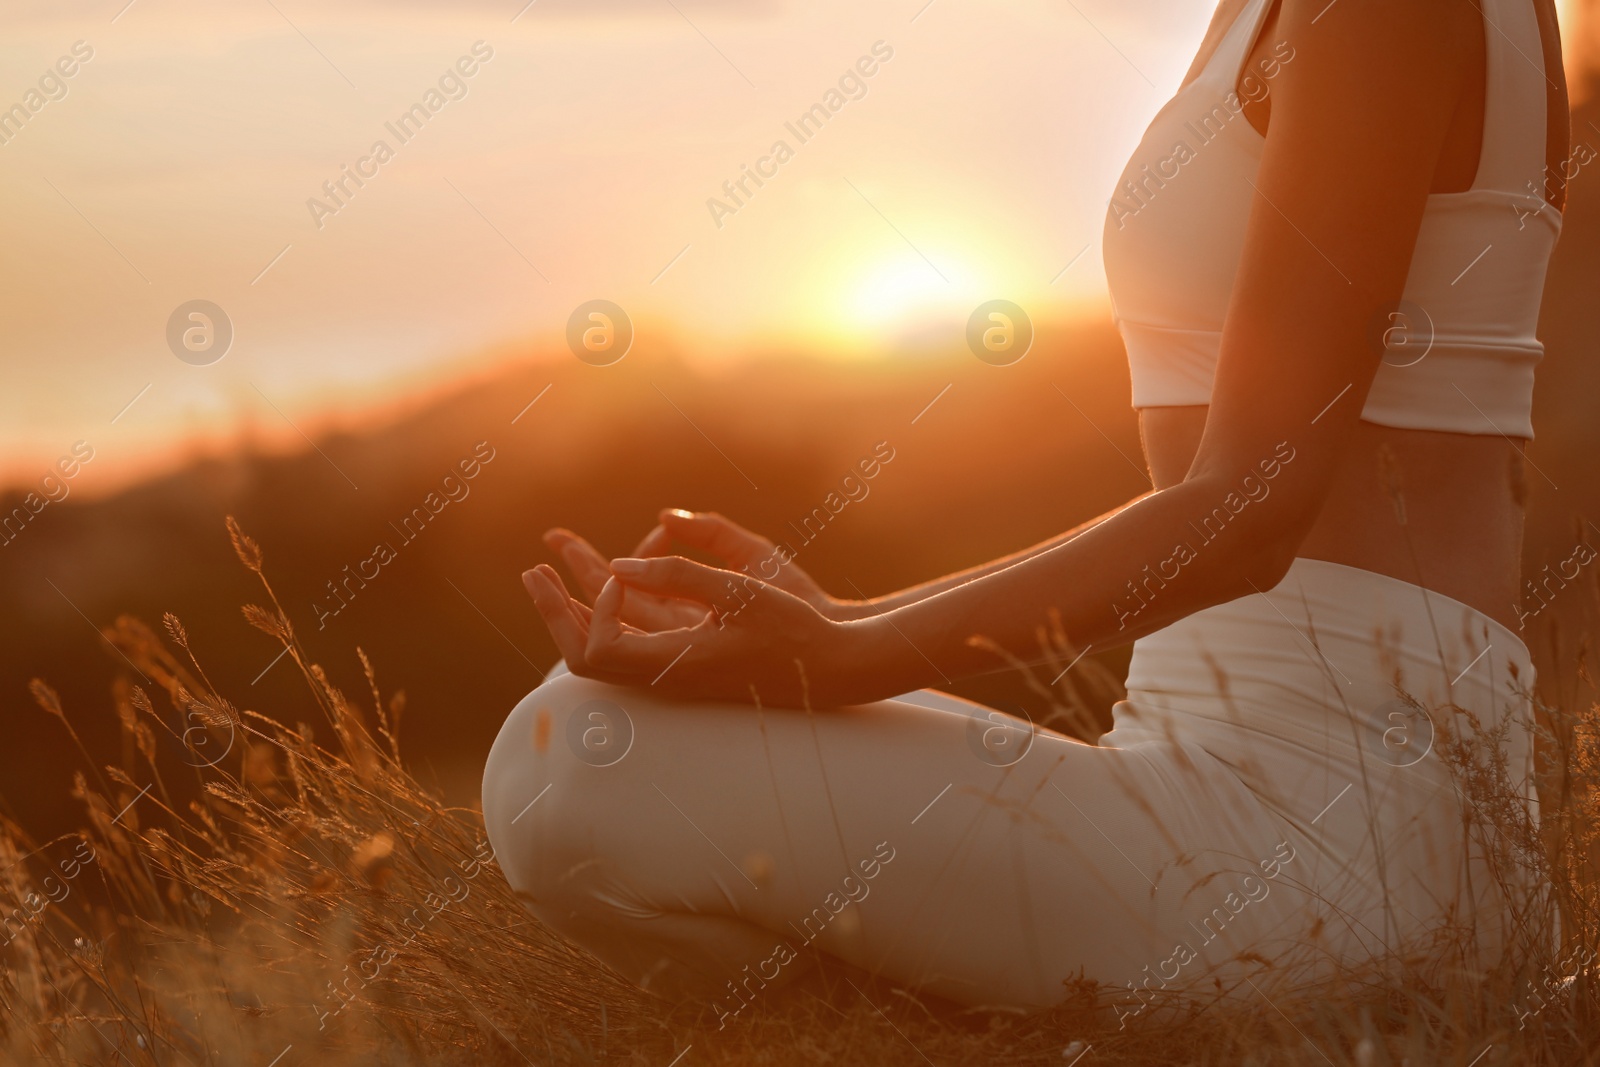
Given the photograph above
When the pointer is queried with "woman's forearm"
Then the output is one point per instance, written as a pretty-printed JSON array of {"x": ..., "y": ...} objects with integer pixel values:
[
  {"x": 873, "y": 606},
  {"x": 1135, "y": 571}
]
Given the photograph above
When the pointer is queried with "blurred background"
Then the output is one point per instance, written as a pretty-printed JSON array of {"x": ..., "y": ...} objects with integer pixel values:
[{"x": 373, "y": 315}]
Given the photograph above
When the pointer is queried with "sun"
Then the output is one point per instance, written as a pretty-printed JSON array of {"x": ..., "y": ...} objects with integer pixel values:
[
  {"x": 902, "y": 290},
  {"x": 868, "y": 293}
]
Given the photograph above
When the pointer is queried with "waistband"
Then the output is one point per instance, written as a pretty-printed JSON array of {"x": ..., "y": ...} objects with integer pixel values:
[{"x": 1327, "y": 647}]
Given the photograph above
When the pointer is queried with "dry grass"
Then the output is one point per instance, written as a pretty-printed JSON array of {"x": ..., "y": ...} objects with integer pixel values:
[{"x": 314, "y": 903}]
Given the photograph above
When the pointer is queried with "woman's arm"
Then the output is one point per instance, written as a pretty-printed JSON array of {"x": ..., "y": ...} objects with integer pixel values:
[
  {"x": 866, "y": 609},
  {"x": 1357, "y": 126},
  {"x": 743, "y": 550}
]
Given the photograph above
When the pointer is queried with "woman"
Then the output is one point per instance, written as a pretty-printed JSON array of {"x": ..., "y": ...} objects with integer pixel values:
[{"x": 1326, "y": 260}]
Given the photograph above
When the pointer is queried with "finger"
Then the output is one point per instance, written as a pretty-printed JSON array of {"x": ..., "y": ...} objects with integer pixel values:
[
  {"x": 606, "y": 621},
  {"x": 624, "y": 651},
  {"x": 565, "y": 628},
  {"x": 588, "y": 567},
  {"x": 680, "y": 578},
  {"x": 606, "y": 629},
  {"x": 722, "y": 537},
  {"x": 580, "y": 611},
  {"x": 658, "y": 542},
  {"x": 577, "y": 608},
  {"x": 553, "y": 577},
  {"x": 556, "y": 538}
]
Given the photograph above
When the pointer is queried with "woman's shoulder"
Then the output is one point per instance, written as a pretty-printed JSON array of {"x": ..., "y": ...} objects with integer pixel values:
[
  {"x": 1355, "y": 29},
  {"x": 1381, "y": 28},
  {"x": 1352, "y": 55}
]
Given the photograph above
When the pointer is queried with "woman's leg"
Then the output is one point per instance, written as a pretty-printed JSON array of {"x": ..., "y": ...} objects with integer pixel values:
[{"x": 703, "y": 849}]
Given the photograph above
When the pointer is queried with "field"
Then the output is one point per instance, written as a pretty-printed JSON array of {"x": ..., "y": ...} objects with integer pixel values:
[
  {"x": 252, "y": 837},
  {"x": 314, "y": 901}
]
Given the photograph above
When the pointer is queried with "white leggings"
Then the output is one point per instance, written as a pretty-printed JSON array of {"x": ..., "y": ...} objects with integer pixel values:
[{"x": 704, "y": 850}]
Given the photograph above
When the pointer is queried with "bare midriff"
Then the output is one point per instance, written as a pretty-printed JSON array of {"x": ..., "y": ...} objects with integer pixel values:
[{"x": 1438, "y": 510}]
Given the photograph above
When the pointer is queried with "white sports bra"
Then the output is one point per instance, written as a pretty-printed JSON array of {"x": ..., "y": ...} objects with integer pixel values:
[{"x": 1461, "y": 355}]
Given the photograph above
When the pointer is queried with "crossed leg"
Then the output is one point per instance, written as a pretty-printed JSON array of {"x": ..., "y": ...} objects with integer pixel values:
[{"x": 701, "y": 848}]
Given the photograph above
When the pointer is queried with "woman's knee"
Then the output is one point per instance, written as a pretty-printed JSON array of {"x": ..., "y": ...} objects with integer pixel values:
[{"x": 533, "y": 781}]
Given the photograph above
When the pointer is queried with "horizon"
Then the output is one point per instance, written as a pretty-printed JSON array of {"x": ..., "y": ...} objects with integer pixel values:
[{"x": 258, "y": 428}]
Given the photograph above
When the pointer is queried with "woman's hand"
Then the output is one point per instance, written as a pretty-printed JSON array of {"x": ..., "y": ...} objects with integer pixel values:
[
  {"x": 738, "y": 548},
  {"x": 742, "y": 550},
  {"x": 773, "y": 645},
  {"x": 591, "y": 570}
]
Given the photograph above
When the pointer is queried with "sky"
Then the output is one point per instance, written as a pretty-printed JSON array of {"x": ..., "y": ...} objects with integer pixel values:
[{"x": 191, "y": 152}]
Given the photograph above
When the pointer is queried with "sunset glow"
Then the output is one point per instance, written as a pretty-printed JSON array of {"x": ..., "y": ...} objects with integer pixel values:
[{"x": 238, "y": 161}]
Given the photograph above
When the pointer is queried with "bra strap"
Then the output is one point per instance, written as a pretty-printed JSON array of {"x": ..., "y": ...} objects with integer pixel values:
[
  {"x": 1228, "y": 61},
  {"x": 1234, "y": 48},
  {"x": 1514, "y": 99}
]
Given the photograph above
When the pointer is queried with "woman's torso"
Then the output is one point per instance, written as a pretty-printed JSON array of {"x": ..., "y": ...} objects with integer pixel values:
[{"x": 1441, "y": 510}]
